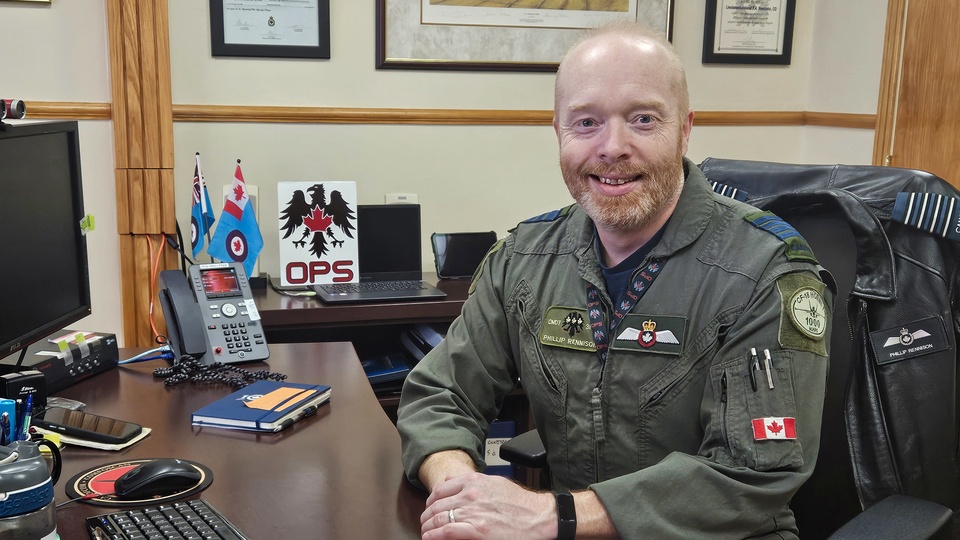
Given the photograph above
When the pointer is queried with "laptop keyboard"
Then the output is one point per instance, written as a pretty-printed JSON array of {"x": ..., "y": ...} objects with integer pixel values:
[
  {"x": 184, "y": 520},
  {"x": 369, "y": 286}
]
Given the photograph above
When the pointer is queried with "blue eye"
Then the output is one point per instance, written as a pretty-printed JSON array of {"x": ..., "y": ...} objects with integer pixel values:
[
  {"x": 645, "y": 119},
  {"x": 587, "y": 122}
]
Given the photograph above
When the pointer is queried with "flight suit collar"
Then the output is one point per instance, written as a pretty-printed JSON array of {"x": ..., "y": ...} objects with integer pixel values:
[{"x": 691, "y": 216}]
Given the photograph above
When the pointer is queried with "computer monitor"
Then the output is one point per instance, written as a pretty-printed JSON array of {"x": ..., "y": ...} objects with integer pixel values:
[{"x": 44, "y": 277}]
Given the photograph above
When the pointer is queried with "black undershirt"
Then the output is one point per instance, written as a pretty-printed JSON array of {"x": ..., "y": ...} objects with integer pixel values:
[{"x": 619, "y": 276}]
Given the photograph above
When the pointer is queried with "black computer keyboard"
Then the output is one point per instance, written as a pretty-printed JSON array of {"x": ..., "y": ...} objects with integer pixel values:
[
  {"x": 365, "y": 286},
  {"x": 188, "y": 520}
]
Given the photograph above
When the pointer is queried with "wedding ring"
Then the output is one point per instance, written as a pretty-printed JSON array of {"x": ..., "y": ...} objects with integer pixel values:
[{"x": 451, "y": 516}]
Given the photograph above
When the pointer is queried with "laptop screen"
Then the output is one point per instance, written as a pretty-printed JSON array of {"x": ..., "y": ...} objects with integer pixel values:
[{"x": 388, "y": 240}]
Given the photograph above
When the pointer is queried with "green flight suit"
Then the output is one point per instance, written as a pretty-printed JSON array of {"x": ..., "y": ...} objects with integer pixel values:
[{"x": 668, "y": 431}]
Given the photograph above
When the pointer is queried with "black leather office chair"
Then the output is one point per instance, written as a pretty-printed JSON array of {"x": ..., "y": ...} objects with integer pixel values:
[{"x": 888, "y": 463}]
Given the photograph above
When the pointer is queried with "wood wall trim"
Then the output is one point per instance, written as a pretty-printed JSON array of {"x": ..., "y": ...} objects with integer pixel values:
[
  {"x": 327, "y": 115},
  {"x": 57, "y": 110},
  {"x": 840, "y": 120}
]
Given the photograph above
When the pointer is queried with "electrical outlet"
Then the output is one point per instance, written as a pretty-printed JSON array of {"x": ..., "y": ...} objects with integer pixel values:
[{"x": 401, "y": 198}]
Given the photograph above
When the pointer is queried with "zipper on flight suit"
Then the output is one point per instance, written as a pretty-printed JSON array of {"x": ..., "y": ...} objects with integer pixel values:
[
  {"x": 596, "y": 399},
  {"x": 723, "y": 408}
]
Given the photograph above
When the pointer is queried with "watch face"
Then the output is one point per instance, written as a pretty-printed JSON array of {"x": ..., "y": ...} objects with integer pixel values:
[{"x": 808, "y": 312}]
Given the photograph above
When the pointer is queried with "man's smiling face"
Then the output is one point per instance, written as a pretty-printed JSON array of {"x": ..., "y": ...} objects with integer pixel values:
[{"x": 622, "y": 134}]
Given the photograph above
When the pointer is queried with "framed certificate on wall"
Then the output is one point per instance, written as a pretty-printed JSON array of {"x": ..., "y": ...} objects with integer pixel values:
[
  {"x": 748, "y": 31},
  {"x": 279, "y": 29}
]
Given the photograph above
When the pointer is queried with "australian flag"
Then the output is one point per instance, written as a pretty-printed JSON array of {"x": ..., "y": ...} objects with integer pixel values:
[
  {"x": 201, "y": 213},
  {"x": 237, "y": 237}
]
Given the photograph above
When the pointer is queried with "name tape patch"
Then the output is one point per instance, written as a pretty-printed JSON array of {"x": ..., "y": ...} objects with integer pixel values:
[
  {"x": 568, "y": 328},
  {"x": 910, "y": 340}
]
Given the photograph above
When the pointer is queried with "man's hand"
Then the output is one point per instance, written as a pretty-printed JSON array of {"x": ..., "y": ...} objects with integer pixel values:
[{"x": 487, "y": 506}]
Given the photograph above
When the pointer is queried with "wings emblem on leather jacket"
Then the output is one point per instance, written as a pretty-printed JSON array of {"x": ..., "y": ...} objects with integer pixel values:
[{"x": 906, "y": 338}]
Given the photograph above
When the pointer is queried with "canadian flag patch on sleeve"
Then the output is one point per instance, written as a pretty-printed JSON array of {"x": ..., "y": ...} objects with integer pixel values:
[{"x": 774, "y": 427}]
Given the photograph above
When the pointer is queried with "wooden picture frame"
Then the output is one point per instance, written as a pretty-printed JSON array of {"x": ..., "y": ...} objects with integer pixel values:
[
  {"x": 266, "y": 32},
  {"x": 533, "y": 39},
  {"x": 756, "y": 32}
]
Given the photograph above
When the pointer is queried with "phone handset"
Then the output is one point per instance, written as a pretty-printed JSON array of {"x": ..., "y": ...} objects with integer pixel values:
[{"x": 185, "y": 327}]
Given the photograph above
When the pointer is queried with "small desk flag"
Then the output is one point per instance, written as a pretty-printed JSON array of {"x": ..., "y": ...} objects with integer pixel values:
[
  {"x": 201, "y": 213},
  {"x": 237, "y": 237}
]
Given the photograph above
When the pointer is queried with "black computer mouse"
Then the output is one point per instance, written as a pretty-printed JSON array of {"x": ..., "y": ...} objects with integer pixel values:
[{"x": 156, "y": 477}]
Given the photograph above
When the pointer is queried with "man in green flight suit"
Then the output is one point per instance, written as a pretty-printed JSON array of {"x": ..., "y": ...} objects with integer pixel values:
[{"x": 672, "y": 342}]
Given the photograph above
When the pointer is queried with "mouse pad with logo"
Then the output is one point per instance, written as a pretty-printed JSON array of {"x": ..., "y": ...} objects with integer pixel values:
[{"x": 98, "y": 484}]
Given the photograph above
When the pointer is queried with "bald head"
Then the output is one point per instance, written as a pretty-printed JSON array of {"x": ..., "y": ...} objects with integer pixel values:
[{"x": 630, "y": 41}]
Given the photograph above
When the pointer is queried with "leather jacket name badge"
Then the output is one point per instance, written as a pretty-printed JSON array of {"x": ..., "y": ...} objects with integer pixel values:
[
  {"x": 568, "y": 328},
  {"x": 909, "y": 340}
]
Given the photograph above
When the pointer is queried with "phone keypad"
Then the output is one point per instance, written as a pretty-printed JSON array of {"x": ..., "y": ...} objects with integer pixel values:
[{"x": 238, "y": 337}]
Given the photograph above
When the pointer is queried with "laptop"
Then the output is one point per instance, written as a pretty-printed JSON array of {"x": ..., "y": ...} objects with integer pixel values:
[{"x": 388, "y": 243}]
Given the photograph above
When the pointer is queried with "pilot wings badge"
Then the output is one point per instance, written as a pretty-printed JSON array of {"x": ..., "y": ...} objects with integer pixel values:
[
  {"x": 650, "y": 333},
  {"x": 906, "y": 338},
  {"x": 648, "y": 337}
]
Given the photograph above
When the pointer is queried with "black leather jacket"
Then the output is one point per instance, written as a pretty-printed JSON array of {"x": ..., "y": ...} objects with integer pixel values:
[{"x": 894, "y": 382}]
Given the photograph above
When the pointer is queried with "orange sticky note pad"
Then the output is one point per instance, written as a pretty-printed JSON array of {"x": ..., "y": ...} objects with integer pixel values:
[{"x": 279, "y": 397}]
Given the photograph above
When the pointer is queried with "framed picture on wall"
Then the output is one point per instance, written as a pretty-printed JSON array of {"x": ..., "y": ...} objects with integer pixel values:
[
  {"x": 748, "y": 31},
  {"x": 459, "y": 35},
  {"x": 279, "y": 29}
]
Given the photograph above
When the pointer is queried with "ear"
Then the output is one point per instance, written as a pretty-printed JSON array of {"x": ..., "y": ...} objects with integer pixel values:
[
  {"x": 686, "y": 128},
  {"x": 556, "y": 127}
]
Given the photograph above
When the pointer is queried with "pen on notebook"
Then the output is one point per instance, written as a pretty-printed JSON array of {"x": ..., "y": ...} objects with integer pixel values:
[{"x": 300, "y": 416}]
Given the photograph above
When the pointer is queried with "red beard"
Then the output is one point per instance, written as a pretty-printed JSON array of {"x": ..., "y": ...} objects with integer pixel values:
[{"x": 660, "y": 184}]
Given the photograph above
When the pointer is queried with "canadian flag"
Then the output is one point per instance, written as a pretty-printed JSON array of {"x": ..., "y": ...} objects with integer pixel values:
[{"x": 774, "y": 427}]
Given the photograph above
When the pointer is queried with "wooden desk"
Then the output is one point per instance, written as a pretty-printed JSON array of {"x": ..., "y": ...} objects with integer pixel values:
[
  {"x": 335, "y": 475},
  {"x": 292, "y": 319}
]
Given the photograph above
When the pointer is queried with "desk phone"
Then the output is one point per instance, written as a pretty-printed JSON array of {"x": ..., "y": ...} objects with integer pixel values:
[{"x": 212, "y": 316}]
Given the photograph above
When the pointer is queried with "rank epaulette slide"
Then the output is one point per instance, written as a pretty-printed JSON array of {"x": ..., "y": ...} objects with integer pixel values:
[
  {"x": 932, "y": 213},
  {"x": 797, "y": 247},
  {"x": 552, "y": 215},
  {"x": 729, "y": 191}
]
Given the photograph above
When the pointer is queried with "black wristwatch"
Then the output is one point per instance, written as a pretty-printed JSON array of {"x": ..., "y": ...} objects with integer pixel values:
[{"x": 566, "y": 516}]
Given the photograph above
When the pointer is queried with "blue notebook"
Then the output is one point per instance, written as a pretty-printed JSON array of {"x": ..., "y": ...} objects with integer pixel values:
[{"x": 263, "y": 406}]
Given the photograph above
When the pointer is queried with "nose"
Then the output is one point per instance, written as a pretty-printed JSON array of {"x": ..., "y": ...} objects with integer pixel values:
[{"x": 614, "y": 143}]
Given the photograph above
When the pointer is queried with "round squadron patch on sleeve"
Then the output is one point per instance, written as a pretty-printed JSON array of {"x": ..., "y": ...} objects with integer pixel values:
[
  {"x": 804, "y": 315},
  {"x": 808, "y": 312}
]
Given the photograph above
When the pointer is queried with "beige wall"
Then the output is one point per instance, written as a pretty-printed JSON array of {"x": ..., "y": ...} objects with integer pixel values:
[
  {"x": 58, "y": 52},
  {"x": 467, "y": 177}
]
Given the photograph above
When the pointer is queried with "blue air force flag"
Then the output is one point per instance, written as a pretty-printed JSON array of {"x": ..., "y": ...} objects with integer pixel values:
[
  {"x": 201, "y": 213},
  {"x": 237, "y": 237}
]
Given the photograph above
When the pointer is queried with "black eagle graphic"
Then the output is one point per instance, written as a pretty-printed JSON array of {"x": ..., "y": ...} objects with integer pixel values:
[{"x": 317, "y": 218}]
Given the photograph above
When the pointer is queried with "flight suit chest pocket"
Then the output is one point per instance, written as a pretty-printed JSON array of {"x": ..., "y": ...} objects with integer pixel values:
[
  {"x": 540, "y": 372},
  {"x": 758, "y": 410}
]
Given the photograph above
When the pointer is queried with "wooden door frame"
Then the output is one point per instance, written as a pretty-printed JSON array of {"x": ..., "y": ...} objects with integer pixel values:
[
  {"x": 890, "y": 82},
  {"x": 142, "y": 113}
]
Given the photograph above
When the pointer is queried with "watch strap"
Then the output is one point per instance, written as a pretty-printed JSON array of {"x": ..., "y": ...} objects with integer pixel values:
[{"x": 566, "y": 516}]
